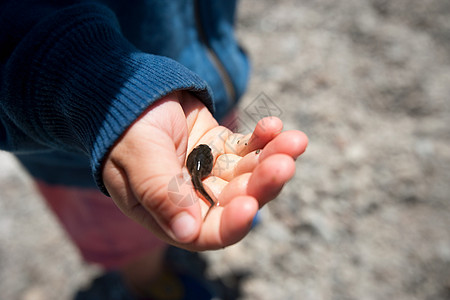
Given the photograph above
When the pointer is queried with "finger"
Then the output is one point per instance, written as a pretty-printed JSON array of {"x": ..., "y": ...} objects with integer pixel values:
[
  {"x": 269, "y": 177},
  {"x": 232, "y": 141},
  {"x": 237, "y": 218},
  {"x": 226, "y": 225},
  {"x": 247, "y": 163},
  {"x": 292, "y": 143},
  {"x": 225, "y": 166},
  {"x": 215, "y": 185},
  {"x": 266, "y": 129},
  {"x": 236, "y": 187}
]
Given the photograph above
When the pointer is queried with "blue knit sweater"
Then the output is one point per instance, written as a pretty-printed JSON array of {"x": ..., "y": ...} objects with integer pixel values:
[{"x": 76, "y": 74}]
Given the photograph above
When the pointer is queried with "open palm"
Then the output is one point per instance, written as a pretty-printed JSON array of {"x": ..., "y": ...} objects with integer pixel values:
[{"x": 248, "y": 172}]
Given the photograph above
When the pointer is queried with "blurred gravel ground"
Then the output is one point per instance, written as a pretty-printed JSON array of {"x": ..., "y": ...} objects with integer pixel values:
[{"x": 368, "y": 214}]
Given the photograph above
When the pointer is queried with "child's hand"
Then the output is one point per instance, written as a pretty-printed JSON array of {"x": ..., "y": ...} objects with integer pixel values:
[{"x": 143, "y": 166}]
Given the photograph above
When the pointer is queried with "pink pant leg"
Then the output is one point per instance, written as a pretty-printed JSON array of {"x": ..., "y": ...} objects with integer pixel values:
[{"x": 102, "y": 233}]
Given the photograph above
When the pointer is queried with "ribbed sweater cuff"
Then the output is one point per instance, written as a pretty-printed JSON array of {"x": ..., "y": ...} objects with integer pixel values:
[{"x": 83, "y": 84}]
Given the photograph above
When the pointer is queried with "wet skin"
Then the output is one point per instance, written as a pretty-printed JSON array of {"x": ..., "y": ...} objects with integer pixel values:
[{"x": 199, "y": 164}]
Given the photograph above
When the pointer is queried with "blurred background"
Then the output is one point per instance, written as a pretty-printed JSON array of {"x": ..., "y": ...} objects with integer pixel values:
[{"x": 367, "y": 215}]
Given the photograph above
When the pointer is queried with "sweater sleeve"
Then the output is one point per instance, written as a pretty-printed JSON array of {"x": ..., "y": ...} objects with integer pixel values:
[{"x": 74, "y": 83}]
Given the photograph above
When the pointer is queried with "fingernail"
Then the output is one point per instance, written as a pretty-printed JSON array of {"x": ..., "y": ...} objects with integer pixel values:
[{"x": 184, "y": 226}]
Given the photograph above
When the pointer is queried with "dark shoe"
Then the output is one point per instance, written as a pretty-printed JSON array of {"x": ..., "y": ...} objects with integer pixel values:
[
  {"x": 108, "y": 286},
  {"x": 182, "y": 280},
  {"x": 169, "y": 286}
]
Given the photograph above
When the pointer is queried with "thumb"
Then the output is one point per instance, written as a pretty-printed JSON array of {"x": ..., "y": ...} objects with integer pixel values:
[
  {"x": 158, "y": 145},
  {"x": 165, "y": 191}
]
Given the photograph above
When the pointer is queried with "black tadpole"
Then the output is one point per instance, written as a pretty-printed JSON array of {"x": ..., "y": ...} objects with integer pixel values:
[{"x": 199, "y": 164}]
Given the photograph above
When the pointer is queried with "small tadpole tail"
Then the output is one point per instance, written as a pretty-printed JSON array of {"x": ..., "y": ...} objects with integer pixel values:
[
  {"x": 207, "y": 213},
  {"x": 198, "y": 184},
  {"x": 209, "y": 209}
]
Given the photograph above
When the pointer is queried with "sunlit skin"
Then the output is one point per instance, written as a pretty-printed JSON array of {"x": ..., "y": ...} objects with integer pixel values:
[{"x": 248, "y": 172}]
